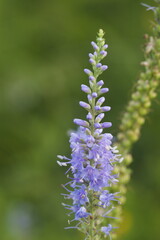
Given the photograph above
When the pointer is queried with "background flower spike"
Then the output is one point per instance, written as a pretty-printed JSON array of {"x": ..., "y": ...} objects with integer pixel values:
[{"x": 138, "y": 107}]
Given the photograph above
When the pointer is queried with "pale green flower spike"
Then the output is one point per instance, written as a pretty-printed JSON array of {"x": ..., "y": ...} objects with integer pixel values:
[{"x": 137, "y": 109}]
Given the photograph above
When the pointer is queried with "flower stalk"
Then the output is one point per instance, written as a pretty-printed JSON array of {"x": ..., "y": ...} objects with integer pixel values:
[{"x": 93, "y": 158}]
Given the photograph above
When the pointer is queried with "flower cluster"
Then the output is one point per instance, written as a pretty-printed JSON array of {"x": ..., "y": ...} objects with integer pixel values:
[{"x": 93, "y": 158}]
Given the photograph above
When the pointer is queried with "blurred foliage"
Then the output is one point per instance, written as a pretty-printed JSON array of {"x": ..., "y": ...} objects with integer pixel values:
[{"x": 43, "y": 50}]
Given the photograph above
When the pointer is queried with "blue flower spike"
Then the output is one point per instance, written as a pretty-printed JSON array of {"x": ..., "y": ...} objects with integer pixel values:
[{"x": 93, "y": 158}]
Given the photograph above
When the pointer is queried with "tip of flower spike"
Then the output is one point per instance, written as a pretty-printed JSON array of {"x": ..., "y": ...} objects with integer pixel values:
[
  {"x": 100, "y": 39},
  {"x": 101, "y": 33}
]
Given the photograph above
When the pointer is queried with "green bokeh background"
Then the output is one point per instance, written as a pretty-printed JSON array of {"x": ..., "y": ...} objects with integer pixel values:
[{"x": 44, "y": 47}]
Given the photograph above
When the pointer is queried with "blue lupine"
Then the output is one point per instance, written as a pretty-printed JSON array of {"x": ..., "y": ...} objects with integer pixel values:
[{"x": 93, "y": 158}]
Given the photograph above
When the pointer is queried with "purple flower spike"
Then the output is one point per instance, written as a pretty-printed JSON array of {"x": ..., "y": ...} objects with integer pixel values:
[
  {"x": 93, "y": 159},
  {"x": 88, "y": 72},
  {"x": 85, "y": 88},
  {"x": 104, "y": 67},
  {"x": 100, "y": 83},
  {"x": 106, "y": 124},
  {"x": 94, "y": 45},
  {"x": 81, "y": 122},
  {"x": 84, "y": 105},
  {"x": 104, "y": 90}
]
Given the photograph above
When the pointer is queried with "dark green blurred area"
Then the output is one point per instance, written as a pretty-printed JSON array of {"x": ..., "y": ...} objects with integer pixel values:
[{"x": 44, "y": 47}]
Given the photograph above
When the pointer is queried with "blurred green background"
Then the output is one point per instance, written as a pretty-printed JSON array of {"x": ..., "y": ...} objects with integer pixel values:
[{"x": 44, "y": 47}]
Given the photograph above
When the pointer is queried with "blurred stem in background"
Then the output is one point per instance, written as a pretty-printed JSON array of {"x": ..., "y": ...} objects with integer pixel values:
[{"x": 138, "y": 107}]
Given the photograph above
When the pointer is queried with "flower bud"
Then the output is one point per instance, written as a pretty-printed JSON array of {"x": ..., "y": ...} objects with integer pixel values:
[
  {"x": 100, "y": 101},
  {"x": 84, "y": 105},
  {"x": 100, "y": 83},
  {"x": 106, "y": 124},
  {"x": 94, "y": 45},
  {"x": 106, "y": 108},
  {"x": 85, "y": 88},
  {"x": 104, "y": 90},
  {"x": 104, "y": 67},
  {"x": 89, "y": 116},
  {"x": 99, "y": 117},
  {"x": 94, "y": 95},
  {"x": 88, "y": 72},
  {"x": 91, "y": 78},
  {"x": 81, "y": 122},
  {"x": 98, "y": 65}
]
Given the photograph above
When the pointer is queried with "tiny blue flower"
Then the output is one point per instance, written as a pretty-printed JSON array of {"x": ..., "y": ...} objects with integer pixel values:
[{"x": 107, "y": 230}]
